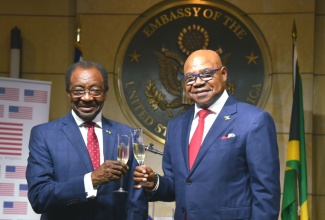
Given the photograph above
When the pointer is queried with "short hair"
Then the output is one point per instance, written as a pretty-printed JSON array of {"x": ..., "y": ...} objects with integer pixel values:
[{"x": 84, "y": 64}]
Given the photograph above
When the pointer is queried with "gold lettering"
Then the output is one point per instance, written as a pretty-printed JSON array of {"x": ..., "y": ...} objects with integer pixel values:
[
  {"x": 241, "y": 33},
  {"x": 146, "y": 118},
  {"x": 254, "y": 93},
  {"x": 235, "y": 27},
  {"x": 187, "y": 12},
  {"x": 217, "y": 15},
  {"x": 129, "y": 84},
  {"x": 136, "y": 104},
  {"x": 180, "y": 13},
  {"x": 208, "y": 13},
  {"x": 152, "y": 27},
  {"x": 147, "y": 31},
  {"x": 196, "y": 11},
  {"x": 161, "y": 128},
  {"x": 164, "y": 19},
  {"x": 172, "y": 16},
  {"x": 228, "y": 19}
]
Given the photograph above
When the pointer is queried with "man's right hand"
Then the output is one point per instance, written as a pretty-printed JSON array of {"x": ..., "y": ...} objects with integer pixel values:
[
  {"x": 110, "y": 170},
  {"x": 144, "y": 177}
]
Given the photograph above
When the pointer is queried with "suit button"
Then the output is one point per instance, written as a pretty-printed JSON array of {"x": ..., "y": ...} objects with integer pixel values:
[
  {"x": 183, "y": 209},
  {"x": 189, "y": 182}
]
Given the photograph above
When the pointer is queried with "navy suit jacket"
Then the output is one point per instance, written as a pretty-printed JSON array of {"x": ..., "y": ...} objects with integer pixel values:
[
  {"x": 57, "y": 163},
  {"x": 232, "y": 178}
]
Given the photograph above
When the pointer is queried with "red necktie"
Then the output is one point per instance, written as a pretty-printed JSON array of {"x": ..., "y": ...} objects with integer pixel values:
[
  {"x": 92, "y": 144},
  {"x": 196, "y": 140}
]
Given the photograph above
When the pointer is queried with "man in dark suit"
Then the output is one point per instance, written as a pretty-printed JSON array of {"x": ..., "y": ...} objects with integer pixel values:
[
  {"x": 235, "y": 174},
  {"x": 63, "y": 184}
]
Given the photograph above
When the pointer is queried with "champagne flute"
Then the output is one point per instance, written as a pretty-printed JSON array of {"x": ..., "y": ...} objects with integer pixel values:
[
  {"x": 138, "y": 146},
  {"x": 123, "y": 140}
]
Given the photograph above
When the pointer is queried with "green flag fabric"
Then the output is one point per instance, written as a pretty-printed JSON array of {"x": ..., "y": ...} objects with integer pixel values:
[{"x": 295, "y": 194}]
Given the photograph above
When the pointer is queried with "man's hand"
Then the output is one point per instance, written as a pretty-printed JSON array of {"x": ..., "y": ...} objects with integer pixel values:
[
  {"x": 144, "y": 177},
  {"x": 110, "y": 170}
]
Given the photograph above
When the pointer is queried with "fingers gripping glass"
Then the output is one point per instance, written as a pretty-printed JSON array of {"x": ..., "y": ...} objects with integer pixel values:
[
  {"x": 81, "y": 92},
  {"x": 205, "y": 75}
]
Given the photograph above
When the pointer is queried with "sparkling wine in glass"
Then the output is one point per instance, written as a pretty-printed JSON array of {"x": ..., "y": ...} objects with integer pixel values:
[
  {"x": 123, "y": 140},
  {"x": 138, "y": 146}
]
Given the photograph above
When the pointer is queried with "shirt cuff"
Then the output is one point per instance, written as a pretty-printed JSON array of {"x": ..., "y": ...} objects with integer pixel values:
[{"x": 91, "y": 192}]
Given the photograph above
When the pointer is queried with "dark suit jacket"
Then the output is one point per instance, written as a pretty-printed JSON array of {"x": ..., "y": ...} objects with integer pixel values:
[
  {"x": 57, "y": 163},
  {"x": 232, "y": 178}
]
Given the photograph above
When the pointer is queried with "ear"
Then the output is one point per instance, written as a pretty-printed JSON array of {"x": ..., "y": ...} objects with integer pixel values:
[
  {"x": 105, "y": 94},
  {"x": 68, "y": 93},
  {"x": 224, "y": 73}
]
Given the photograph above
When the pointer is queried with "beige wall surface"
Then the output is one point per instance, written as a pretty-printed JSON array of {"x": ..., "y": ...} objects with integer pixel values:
[{"x": 48, "y": 33}]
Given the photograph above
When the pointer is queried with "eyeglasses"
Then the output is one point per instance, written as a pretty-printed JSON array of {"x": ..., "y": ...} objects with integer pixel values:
[
  {"x": 94, "y": 92},
  {"x": 205, "y": 75}
]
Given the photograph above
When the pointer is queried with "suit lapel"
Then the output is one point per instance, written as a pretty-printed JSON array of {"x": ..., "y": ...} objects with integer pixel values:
[
  {"x": 109, "y": 138},
  {"x": 186, "y": 127},
  {"x": 73, "y": 133},
  {"x": 217, "y": 129}
]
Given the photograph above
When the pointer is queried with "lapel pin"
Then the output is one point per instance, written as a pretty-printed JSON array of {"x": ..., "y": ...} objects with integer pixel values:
[
  {"x": 227, "y": 118},
  {"x": 109, "y": 132}
]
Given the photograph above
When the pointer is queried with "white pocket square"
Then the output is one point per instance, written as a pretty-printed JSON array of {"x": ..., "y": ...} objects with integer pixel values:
[{"x": 230, "y": 135}]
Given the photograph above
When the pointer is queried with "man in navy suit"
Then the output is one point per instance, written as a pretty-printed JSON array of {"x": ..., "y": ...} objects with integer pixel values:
[
  {"x": 235, "y": 174},
  {"x": 62, "y": 183}
]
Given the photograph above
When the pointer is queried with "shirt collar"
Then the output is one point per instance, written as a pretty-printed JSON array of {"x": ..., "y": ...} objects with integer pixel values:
[
  {"x": 216, "y": 106},
  {"x": 97, "y": 119}
]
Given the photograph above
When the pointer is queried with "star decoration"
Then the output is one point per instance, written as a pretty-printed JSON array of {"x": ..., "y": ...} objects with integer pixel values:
[
  {"x": 135, "y": 57},
  {"x": 251, "y": 58},
  {"x": 227, "y": 117}
]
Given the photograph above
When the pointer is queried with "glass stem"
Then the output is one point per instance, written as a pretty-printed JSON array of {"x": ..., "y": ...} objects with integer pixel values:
[{"x": 121, "y": 182}]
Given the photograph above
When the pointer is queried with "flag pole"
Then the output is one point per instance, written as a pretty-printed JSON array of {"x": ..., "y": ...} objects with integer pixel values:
[
  {"x": 78, "y": 56},
  {"x": 294, "y": 75},
  {"x": 294, "y": 39},
  {"x": 78, "y": 29}
]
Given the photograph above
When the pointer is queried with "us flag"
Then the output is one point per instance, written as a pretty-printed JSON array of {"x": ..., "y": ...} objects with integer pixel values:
[
  {"x": 11, "y": 138},
  {"x": 20, "y": 112},
  {"x": 2, "y": 109},
  {"x": 10, "y": 94},
  {"x": 16, "y": 172},
  {"x": 15, "y": 208},
  {"x": 7, "y": 189},
  {"x": 23, "y": 189},
  {"x": 38, "y": 96}
]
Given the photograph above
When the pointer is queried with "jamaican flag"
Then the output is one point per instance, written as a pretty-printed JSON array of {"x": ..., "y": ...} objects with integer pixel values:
[{"x": 294, "y": 201}]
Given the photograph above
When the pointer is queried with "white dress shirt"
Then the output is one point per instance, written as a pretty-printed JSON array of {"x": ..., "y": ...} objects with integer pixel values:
[
  {"x": 215, "y": 110},
  {"x": 89, "y": 188}
]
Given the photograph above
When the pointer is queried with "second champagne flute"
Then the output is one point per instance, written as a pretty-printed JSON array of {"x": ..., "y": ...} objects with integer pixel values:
[
  {"x": 123, "y": 141},
  {"x": 138, "y": 146}
]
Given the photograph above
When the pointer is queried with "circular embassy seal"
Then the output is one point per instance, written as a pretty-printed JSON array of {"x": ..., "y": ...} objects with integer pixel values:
[{"x": 150, "y": 59}]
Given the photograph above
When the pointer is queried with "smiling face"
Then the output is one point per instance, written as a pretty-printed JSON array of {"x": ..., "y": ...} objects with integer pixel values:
[
  {"x": 87, "y": 106},
  {"x": 205, "y": 93}
]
